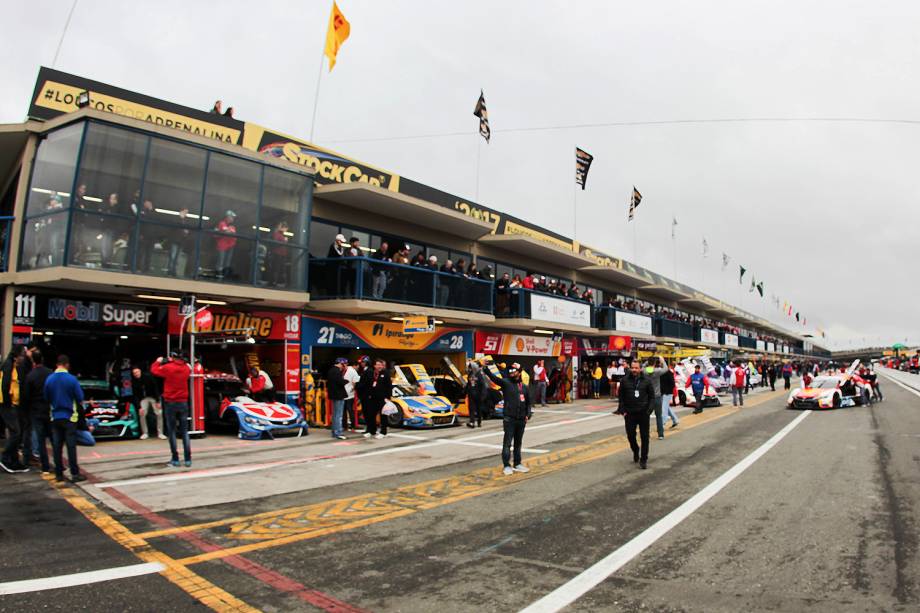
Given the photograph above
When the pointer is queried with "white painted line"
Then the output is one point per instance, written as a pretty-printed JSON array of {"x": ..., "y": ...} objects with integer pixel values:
[
  {"x": 95, "y": 576},
  {"x": 904, "y": 385},
  {"x": 455, "y": 441},
  {"x": 558, "y": 412},
  {"x": 568, "y": 593},
  {"x": 564, "y": 422}
]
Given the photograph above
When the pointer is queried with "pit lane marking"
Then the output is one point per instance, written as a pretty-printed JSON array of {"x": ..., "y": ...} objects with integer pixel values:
[
  {"x": 455, "y": 441},
  {"x": 904, "y": 385},
  {"x": 93, "y": 576},
  {"x": 584, "y": 582}
]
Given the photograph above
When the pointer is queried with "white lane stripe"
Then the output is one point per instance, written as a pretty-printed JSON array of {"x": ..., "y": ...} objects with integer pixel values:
[
  {"x": 95, "y": 576},
  {"x": 568, "y": 593},
  {"x": 904, "y": 385},
  {"x": 562, "y": 422},
  {"x": 454, "y": 441}
]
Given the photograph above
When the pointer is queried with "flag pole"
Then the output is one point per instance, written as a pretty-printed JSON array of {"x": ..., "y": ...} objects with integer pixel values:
[
  {"x": 635, "y": 240},
  {"x": 575, "y": 203},
  {"x": 674, "y": 243},
  {"x": 319, "y": 78},
  {"x": 478, "y": 158}
]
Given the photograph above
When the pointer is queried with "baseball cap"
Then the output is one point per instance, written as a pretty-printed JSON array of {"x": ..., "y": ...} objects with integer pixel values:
[
  {"x": 340, "y": 238},
  {"x": 514, "y": 366},
  {"x": 341, "y": 360},
  {"x": 230, "y": 213}
]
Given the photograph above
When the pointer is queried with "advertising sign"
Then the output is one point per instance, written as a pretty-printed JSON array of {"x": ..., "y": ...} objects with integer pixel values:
[
  {"x": 632, "y": 322},
  {"x": 494, "y": 343},
  {"x": 731, "y": 340},
  {"x": 414, "y": 324},
  {"x": 621, "y": 344},
  {"x": 261, "y": 325},
  {"x": 646, "y": 346},
  {"x": 761, "y": 346},
  {"x": 771, "y": 347},
  {"x": 559, "y": 311},
  {"x": 319, "y": 332},
  {"x": 44, "y": 311},
  {"x": 709, "y": 336}
]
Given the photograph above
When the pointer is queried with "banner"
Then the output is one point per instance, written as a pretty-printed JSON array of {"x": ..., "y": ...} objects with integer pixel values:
[
  {"x": 352, "y": 334},
  {"x": 622, "y": 344},
  {"x": 43, "y": 311},
  {"x": 771, "y": 347},
  {"x": 56, "y": 94},
  {"x": 646, "y": 346},
  {"x": 559, "y": 310},
  {"x": 415, "y": 324},
  {"x": 495, "y": 343},
  {"x": 262, "y": 325},
  {"x": 761, "y": 346},
  {"x": 632, "y": 322},
  {"x": 709, "y": 336},
  {"x": 731, "y": 340}
]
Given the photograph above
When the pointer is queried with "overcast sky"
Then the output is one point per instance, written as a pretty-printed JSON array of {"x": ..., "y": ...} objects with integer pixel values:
[{"x": 823, "y": 212}]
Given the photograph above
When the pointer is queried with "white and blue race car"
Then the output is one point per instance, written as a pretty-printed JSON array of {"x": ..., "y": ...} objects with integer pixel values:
[{"x": 227, "y": 404}]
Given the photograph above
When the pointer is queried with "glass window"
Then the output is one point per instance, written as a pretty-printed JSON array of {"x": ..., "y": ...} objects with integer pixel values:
[
  {"x": 441, "y": 254},
  {"x": 43, "y": 241},
  {"x": 486, "y": 268},
  {"x": 52, "y": 174},
  {"x": 364, "y": 239},
  {"x": 282, "y": 266},
  {"x": 225, "y": 257},
  {"x": 322, "y": 235},
  {"x": 111, "y": 165},
  {"x": 101, "y": 241},
  {"x": 167, "y": 250},
  {"x": 173, "y": 182},
  {"x": 232, "y": 196},
  {"x": 284, "y": 205}
]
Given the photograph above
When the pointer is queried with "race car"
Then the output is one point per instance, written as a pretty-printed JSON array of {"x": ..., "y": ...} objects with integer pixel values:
[
  {"x": 417, "y": 400},
  {"x": 113, "y": 417},
  {"x": 227, "y": 404},
  {"x": 831, "y": 392},
  {"x": 684, "y": 395}
]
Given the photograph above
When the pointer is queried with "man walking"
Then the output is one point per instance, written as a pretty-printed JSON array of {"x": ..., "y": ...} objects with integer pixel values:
[
  {"x": 667, "y": 393},
  {"x": 349, "y": 409},
  {"x": 64, "y": 394},
  {"x": 175, "y": 372},
  {"x": 146, "y": 393},
  {"x": 655, "y": 369},
  {"x": 13, "y": 374},
  {"x": 541, "y": 379},
  {"x": 698, "y": 383},
  {"x": 771, "y": 372},
  {"x": 787, "y": 375},
  {"x": 34, "y": 402},
  {"x": 374, "y": 389},
  {"x": 335, "y": 389},
  {"x": 517, "y": 412},
  {"x": 477, "y": 391},
  {"x": 636, "y": 403},
  {"x": 737, "y": 385}
]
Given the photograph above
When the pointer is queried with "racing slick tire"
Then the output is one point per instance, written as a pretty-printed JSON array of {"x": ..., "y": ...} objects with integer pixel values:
[
  {"x": 836, "y": 403},
  {"x": 395, "y": 420}
]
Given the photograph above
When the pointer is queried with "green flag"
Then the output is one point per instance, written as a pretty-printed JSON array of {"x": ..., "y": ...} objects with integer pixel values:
[
  {"x": 743, "y": 270},
  {"x": 760, "y": 289}
]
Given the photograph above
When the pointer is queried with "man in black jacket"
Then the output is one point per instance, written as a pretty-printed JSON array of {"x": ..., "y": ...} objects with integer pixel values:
[
  {"x": 33, "y": 401},
  {"x": 637, "y": 403},
  {"x": 13, "y": 372},
  {"x": 374, "y": 389},
  {"x": 335, "y": 389},
  {"x": 477, "y": 391},
  {"x": 516, "y": 413}
]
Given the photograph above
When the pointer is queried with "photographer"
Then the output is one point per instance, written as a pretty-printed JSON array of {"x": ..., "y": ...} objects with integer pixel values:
[{"x": 175, "y": 372}]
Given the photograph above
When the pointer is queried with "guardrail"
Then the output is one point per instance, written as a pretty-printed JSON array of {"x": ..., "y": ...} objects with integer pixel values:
[{"x": 363, "y": 278}]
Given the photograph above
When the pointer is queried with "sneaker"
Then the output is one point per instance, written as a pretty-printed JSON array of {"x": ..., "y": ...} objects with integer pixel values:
[
  {"x": 379, "y": 436},
  {"x": 46, "y": 472},
  {"x": 520, "y": 468},
  {"x": 643, "y": 465},
  {"x": 367, "y": 435},
  {"x": 173, "y": 463},
  {"x": 162, "y": 437},
  {"x": 661, "y": 438},
  {"x": 77, "y": 478},
  {"x": 470, "y": 424},
  {"x": 674, "y": 425},
  {"x": 8, "y": 467},
  {"x": 341, "y": 437},
  {"x": 636, "y": 458},
  {"x": 144, "y": 436},
  {"x": 508, "y": 470},
  {"x": 188, "y": 463},
  {"x": 18, "y": 467},
  {"x": 59, "y": 478}
]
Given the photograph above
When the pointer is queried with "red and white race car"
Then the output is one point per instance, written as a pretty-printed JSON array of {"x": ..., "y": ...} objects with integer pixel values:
[{"x": 226, "y": 403}]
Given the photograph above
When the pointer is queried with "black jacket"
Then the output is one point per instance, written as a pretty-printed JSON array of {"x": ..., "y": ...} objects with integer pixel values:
[
  {"x": 335, "y": 384},
  {"x": 144, "y": 387},
  {"x": 372, "y": 395},
  {"x": 637, "y": 395},
  {"x": 514, "y": 393},
  {"x": 32, "y": 393},
  {"x": 667, "y": 383},
  {"x": 7, "y": 370}
]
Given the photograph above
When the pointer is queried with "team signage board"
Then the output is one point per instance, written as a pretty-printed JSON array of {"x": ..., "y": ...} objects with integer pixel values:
[
  {"x": 632, "y": 322},
  {"x": 559, "y": 310},
  {"x": 44, "y": 311},
  {"x": 622, "y": 344},
  {"x": 260, "y": 325},
  {"x": 320, "y": 332},
  {"x": 731, "y": 340},
  {"x": 709, "y": 336},
  {"x": 646, "y": 346},
  {"x": 771, "y": 347},
  {"x": 415, "y": 324},
  {"x": 761, "y": 346},
  {"x": 495, "y": 343}
]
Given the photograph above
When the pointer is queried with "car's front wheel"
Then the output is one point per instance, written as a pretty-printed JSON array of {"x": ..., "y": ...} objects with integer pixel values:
[
  {"x": 836, "y": 401},
  {"x": 393, "y": 420}
]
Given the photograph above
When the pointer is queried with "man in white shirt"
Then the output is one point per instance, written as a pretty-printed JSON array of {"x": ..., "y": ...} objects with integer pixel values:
[
  {"x": 351, "y": 378},
  {"x": 540, "y": 380}
]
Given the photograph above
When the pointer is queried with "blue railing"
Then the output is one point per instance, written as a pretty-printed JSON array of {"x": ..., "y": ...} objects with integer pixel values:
[
  {"x": 516, "y": 303},
  {"x": 605, "y": 317},
  {"x": 674, "y": 329},
  {"x": 363, "y": 278},
  {"x": 6, "y": 225}
]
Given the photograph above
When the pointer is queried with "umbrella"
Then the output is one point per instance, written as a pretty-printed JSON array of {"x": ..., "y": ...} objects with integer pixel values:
[{"x": 899, "y": 346}]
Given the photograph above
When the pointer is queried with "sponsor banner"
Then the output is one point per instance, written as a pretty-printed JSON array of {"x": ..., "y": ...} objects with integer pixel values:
[
  {"x": 619, "y": 343},
  {"x": 731, "y": 340},
  {"x": 262, "y": 325},
  {"x": 43, "y": 311},
  {"x": 771, "y": 347},
  {"x": 559, "y": 311},
  {"x": 414, "y": 324},
  {"x": 646, "y": 346},
  {"x": 709, "y": 336},
  {"x": 495, "y": 343},
  {"x": 785, "y": 349},
  {"x": 632, "y": 322},
  {"x": 292, "y": 360},
  {"x": 761, "y": 346},
  {"x": 318, "y": 332},
  {"x": 56, "y": 94}
]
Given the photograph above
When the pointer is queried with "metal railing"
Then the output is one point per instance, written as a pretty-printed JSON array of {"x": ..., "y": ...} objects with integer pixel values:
[
  {"x": 363, "y": 278},
  {"x": 516, "y": 303}
]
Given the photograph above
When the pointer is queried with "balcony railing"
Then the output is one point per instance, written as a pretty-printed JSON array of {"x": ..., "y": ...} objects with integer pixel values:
[
  {"x": 368, "y": 279},
  {"x": 674, "y": 329},
  {"x": 516, "y": 303}
]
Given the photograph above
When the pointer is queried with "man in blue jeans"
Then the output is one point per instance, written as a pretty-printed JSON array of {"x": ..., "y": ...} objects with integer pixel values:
[
  {"x": 64, "y": 394},
  {"x": 335, "y": 390},
  {"x": 175, "y": 373}
]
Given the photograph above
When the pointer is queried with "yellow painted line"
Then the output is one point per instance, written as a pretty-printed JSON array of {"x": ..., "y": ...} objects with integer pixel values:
[
  {"x": 194, "y": 585},
  {"x": 423, "y": 496}
]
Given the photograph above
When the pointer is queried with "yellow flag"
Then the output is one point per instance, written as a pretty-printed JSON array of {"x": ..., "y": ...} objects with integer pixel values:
[{"x": 338, "y": 32}]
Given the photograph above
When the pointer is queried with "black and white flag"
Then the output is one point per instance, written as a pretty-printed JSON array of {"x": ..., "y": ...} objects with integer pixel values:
[
  {"x": 480, "y": 111},
  {"x": 583, "y": 161},
  {"x": 634, "y": 204}
]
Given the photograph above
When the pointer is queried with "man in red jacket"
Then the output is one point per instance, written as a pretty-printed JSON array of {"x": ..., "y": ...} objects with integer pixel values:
[{"x": 175, "y": 373}]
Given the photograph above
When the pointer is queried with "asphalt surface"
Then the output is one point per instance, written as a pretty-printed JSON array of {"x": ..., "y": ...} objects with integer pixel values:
[{"x": 827, "y": 520}]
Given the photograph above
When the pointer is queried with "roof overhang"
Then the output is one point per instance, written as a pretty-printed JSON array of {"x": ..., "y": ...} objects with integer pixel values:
[
  {"x": 386, "y": 310},
  {"x": 529, "y": 325},
  {"x": 615, "y": 275},
  {"x": 663, "y": 291},
  {"x": 13, "y": 138},
  {"x": 381, "y": 201},
  {"x": 538, "y": 250}
]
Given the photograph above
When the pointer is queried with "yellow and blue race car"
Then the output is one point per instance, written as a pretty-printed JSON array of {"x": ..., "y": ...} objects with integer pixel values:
[{"x": 419, "y": 405}]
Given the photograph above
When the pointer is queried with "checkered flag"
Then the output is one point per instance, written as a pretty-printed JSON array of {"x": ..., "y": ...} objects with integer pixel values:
[{"x": 480, "y": 111}]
